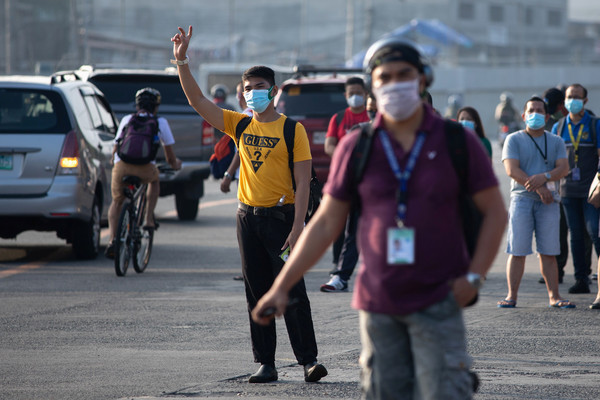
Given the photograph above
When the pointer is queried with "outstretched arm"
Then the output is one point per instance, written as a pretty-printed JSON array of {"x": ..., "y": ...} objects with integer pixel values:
[{"x": 212, "y": 113}]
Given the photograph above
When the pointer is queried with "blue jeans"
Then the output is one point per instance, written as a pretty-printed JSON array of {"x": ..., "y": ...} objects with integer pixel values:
[
  {"x": 421, "y": 356},
  {"x": 582, "y": 219},
  {"x": 528, "y": 216}
]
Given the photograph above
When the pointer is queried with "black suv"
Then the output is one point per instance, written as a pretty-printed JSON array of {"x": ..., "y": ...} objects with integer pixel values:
[
  {"x": 312, "y": 96},
  {"x": 120, "y": 85}
]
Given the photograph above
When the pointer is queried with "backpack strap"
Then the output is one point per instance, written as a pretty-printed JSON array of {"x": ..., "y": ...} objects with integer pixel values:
[
  {"x": 359, "y": 159},
  {"x": 240, "y": 127},
  {"x": 339, "y": 117},
  {"x": 289, "y": 135},
  {"x": 457, "y": 147}
]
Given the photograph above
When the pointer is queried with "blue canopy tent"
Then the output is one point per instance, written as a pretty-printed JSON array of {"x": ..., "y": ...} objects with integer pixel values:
[{"x": 433, "y": 29}]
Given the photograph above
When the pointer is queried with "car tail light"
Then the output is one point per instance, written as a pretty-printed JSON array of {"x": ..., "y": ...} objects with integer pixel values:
[{"x": 69, "y": 158}]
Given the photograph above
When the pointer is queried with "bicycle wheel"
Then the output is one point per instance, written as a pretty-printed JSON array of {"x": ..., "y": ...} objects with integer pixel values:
[
  {"x": 123, "y": 241},
  {"x": 143, "y": 250},
  {"x": 142, "y": 246}
]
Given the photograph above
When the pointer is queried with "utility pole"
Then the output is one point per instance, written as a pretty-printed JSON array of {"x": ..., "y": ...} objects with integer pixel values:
[
  {"x": 349, "y": 29},
  {"x": 7, "y": 37}
]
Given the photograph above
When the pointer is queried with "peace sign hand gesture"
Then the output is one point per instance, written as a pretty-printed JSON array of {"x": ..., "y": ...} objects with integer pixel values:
[{"x": 181, "y": 42}]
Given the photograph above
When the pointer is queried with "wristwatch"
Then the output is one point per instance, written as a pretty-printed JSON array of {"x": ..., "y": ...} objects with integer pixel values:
[
  {"x": 227, "y": 175},
  {"x": 548, "y": 176},
  {"x": 475, "y": 280}
]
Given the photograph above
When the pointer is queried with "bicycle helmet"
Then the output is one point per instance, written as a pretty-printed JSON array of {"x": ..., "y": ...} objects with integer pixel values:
[
  {"x": 147, "y": 98},
  {"x": 396, "y": 49}
]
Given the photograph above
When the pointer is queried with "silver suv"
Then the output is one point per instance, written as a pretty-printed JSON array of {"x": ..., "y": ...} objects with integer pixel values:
[
  {"x": 192, "y": 145},
  {"x": 55, "y": 149}
]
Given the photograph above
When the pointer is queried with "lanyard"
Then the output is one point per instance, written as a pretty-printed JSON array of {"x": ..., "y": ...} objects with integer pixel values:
[
  {"x": 402, "y": 176},
  {"x": 544, "y": 156},
  {"x": 575, "y": 142}
]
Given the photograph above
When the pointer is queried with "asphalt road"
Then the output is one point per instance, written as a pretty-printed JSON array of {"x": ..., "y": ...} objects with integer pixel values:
[{"x": 71, "y": 329}]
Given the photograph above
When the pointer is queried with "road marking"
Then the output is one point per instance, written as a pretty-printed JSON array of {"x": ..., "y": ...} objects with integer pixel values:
[
  {"x": 207, "y": 204},
  {"x": 19, "y": 270}
]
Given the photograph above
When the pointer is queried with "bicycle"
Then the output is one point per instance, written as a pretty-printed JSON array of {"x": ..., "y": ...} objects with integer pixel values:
[{"x": 132, "y": 241}]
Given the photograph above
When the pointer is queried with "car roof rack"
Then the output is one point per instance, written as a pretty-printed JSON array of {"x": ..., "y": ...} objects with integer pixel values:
[
  {"x": 64, "y": 76},
  {"x": 306, "y": 70}
]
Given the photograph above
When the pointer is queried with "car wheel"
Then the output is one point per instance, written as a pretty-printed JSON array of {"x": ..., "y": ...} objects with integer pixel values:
[
  {"x": 187, "y": 208},
  {"x": 86, "y": 235}
]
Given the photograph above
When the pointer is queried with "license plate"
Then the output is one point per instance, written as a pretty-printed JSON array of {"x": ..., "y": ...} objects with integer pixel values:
[
  {"x": 6, "y": 162},
  {"x": 319, "y": 137}
]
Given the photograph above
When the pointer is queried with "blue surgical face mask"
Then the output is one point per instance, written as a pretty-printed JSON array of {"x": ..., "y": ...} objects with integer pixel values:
[
  {"x": 355, "y": 101},
  {"x": 535, "y": 120},
  {"x": 258, "y": 100},
  {"x": 468, "y": 124},
  {"x": 574, "y": 105}
]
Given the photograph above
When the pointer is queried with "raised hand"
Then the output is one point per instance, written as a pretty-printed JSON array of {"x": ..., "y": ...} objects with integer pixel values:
[{"x": 181, "y": 42}]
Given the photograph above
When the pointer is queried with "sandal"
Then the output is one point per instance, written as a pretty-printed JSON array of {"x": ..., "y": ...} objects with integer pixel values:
[
  {"x": 562, "y": 304},
  {"x": 507, "y": 303},
  {"x": 595, "y": 306}
]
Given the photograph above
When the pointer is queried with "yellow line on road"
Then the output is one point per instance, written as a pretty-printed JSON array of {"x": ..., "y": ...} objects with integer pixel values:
[{"x": 18, "y": 270}]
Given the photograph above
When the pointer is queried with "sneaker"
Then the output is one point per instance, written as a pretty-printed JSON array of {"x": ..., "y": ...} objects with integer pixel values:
[
  {"x": 110, "y": 250},
  {"x": 580, "y": 286},
  {"x": 335, "y": 284}
]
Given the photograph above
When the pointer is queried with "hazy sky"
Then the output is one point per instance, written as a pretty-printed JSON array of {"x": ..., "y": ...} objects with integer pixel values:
[{"x": 584, "y": 10}]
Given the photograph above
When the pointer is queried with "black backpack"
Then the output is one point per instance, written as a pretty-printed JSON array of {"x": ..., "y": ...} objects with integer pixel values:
[
  {"x": 139, "y": 143},
  {"x": 457, "y": 147},
  {"x": 289, "y": 134}
]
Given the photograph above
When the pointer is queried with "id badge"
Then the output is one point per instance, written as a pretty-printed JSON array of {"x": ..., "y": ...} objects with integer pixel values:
[
  {"x": 400, "y": 246},
  {"x": 576, "y": 174}
]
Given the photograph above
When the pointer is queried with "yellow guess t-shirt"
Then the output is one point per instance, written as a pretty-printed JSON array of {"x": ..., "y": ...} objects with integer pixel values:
[{"x": 264, "y": 172}]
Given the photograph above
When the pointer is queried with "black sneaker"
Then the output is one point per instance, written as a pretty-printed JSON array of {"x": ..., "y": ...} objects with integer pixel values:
[
  {"x": 110, "y": 250},
  {"x": 580, "y": 286}
]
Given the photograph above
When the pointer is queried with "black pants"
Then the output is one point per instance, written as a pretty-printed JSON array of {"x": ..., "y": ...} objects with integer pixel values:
[
  {"x": 347, "y": 253},
  {"x": 261, "y": 233}
]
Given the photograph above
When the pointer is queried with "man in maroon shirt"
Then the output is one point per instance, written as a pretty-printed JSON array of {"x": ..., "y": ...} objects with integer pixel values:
[
  {"x": 345, "y": 253},
  {"x": 416, "y": 273}
]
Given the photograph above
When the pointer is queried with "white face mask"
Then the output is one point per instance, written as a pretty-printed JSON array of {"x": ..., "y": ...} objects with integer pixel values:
[
  {"x": 399, "y": 100},
  {"x": 356, "y": 100}
]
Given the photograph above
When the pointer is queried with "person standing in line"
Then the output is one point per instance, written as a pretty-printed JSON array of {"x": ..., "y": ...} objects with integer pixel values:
[
  {"x": 469, "y": 118},
  {"x": 345, "y": 252},
  {"x": 580, "y": 131},
  {"x": 270, "y": 215},
  {"x": 412, "y": 331},
  {"x": 535, "y": 160}
]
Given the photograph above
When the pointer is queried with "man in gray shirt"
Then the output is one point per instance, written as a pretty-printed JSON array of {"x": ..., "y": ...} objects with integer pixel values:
[{"x": 535, "y": 161}]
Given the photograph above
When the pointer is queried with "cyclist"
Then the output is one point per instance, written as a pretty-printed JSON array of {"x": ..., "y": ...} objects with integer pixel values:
[{"x": 147, "y": 101}]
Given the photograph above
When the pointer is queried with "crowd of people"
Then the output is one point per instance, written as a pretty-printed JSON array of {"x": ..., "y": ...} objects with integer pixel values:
[{"x": 393, "y": 193}]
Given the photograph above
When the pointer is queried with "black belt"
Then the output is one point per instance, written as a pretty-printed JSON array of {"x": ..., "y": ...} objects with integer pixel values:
[{"x": 278, "y": 212}]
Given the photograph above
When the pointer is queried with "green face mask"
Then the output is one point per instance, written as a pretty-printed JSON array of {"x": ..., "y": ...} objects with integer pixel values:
[{"x": 557, "y": 115}]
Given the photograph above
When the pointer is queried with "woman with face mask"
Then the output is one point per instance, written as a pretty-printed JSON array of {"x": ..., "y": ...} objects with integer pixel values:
[{"x": 469, "y": 118}]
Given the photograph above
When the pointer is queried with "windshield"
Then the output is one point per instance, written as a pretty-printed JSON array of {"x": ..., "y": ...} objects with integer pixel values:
[
  {"x": 318, "y": 100},
  {"x": 32, "y": 111},
  {"x": 121, "y": 89}
]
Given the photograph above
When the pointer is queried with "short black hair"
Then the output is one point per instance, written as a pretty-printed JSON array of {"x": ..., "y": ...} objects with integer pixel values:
[
  {"x": 536, "y": 98},
  {"x": 553, "y": 97},
  {"x": 355, "y": 80},
  {"x": 260, "y": 71}
]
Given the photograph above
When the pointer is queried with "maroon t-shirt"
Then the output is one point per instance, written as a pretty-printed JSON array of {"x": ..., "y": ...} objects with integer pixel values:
[
  {"x": 432, "y": 210},
  {"x": 349, "y": 121}
]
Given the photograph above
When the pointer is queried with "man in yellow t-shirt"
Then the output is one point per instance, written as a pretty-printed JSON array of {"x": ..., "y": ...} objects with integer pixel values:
[{"x": 270, "y": 215}]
